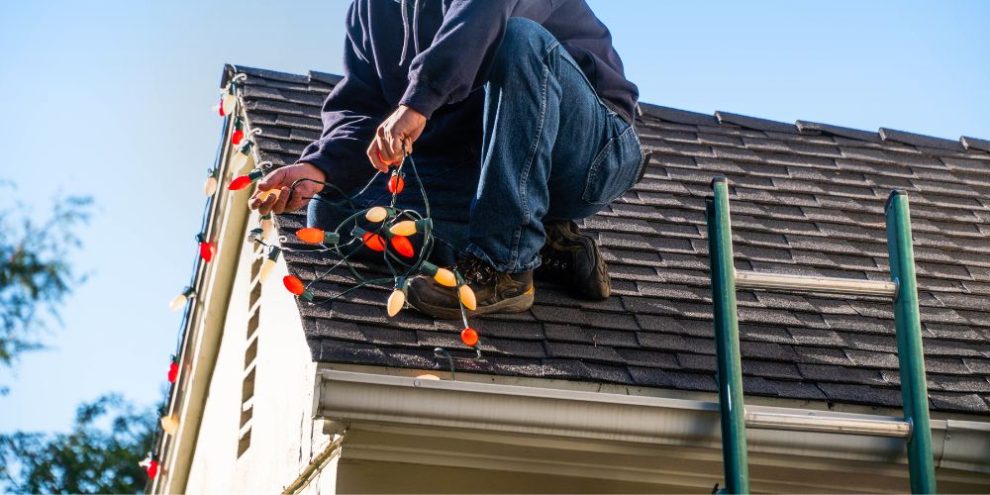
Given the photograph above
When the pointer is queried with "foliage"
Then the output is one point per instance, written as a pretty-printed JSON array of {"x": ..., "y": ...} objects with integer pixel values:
[
  {"x": 34, "y": 270},
  {"x": 99, "y": 455}
]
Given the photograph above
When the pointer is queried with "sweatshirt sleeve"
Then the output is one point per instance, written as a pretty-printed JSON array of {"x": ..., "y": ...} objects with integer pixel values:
[
  {"x": 350, "y": 115},
  {"x": 454, "y": 63}
]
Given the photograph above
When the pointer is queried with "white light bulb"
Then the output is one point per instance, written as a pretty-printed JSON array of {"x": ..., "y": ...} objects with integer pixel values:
[
  {"x": 266, "y": 269},
  {"x": 210, "y": 186},
  {"x": 178, "y": 302},
  {"x": 170, "y": 424},
  {"x": 229, "y": 102},
  {"x": 267, "y": 227}
]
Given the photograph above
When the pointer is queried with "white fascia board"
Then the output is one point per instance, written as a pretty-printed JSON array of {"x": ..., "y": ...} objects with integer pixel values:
[{"x": 347, "y": 397}]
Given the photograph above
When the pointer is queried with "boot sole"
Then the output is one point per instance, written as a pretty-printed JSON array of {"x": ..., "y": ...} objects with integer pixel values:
[{"x": 516, "y": 304}]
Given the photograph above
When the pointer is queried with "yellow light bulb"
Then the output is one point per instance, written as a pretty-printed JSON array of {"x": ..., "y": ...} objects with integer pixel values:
[
  {"x": 445, "y": 277},
  {"x": 242, "y": 163},
  {"x": 376, "y": 214},
  {"x": 266, "y": 269},
  {"x": 170, "y": 424},
  {"x": 396, "y": 301},
  {"x": 229, "y": 102},
  {"x": 466, "y": 295},
  {"x": 263, "y": 195},
  {"x": 428, "y": 376},
  {"x": 404, "y": 228},
  {"x": 210, "y": 186},
  {"x": 178, "y": 302}
]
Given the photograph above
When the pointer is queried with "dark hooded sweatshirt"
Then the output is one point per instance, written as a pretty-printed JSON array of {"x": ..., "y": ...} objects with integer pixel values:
[{"x": 434, "y": 56}]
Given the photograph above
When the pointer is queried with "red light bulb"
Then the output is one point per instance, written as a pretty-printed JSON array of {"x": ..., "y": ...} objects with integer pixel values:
[
  {"x": 311, "y": 235},
  {"x": 469, "y": 336},
  {"x": 236, "y": 137},
  {"x": 294, "y": 285},
  {"x": 396, "y": 184},
  {"x": 220, "y": 108},
  {"x": 402, "y": 246},
  {"x": 152, "y": 469},
  {"x": 374, "y": 242},
  {"x": 239, "y": 183},
  {"x": 173, "y": 371},
  {"x": 207, "y": 250}
]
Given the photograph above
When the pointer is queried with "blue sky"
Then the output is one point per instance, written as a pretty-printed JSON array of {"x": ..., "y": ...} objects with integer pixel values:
[{"x": 112, "y": 99}]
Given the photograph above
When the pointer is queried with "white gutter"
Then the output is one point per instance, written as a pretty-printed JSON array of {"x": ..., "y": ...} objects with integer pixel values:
[{"x": 351, "y": 397}]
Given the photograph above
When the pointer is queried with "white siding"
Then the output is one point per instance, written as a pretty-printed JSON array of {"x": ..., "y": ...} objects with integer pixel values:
[{"x": 281, "y": 424}]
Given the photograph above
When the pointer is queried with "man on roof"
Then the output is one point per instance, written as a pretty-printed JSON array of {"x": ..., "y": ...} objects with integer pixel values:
[{"x": 519, "y": 118}]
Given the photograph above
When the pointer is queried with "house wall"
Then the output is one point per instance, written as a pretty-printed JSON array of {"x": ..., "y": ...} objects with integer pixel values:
[{"x": 274, "y": 436}]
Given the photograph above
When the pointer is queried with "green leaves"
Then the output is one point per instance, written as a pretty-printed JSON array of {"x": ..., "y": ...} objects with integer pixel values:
[
  {"x": 35, "y": 273},
  {"x": 99, "y": 455}
]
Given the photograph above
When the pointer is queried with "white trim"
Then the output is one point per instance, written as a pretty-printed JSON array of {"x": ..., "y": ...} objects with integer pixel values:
[{"x": 372, "y": 402}]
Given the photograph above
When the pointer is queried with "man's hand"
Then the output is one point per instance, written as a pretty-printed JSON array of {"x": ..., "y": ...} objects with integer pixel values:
[
  {"x": 397, "y": 134},
  {"x": 273, "y": 194}
]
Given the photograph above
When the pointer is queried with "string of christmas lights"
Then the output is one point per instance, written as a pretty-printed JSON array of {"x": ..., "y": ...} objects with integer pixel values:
[{"x": 385, "y": 229}]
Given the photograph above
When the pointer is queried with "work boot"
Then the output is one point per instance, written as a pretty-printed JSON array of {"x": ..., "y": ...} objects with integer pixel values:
[
  {"x": 573, "y": 260},
  {"x": 495, "y": 292}
]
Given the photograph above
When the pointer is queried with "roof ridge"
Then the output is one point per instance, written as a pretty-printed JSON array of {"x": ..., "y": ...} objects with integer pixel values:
[{"x": 718, "y": 118}]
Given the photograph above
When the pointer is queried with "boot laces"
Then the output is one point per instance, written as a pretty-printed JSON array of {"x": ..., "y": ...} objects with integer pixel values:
[{"x": 476, "y": 270}]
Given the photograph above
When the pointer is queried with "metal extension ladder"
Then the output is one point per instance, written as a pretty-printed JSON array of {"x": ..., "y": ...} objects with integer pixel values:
[{"x": 902, "y": 289}]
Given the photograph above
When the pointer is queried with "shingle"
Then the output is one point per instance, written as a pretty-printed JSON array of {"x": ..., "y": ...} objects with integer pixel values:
[
  {"x": 919, "y": 139},
  {"x": 805, "y": 126},
  {"x": 972, "y": 143},
  {"x": 678, "y": 116},
  {"x": 971, "y": 403},
  {"x": 840, "y": 374},
  {"x": 861, "y": 394},
  {"x": 754, "y": 122}
]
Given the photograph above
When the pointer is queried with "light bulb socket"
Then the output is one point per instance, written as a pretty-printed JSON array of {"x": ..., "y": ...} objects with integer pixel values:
[
  {"x": 274, "y": 252},
  {"x": 189, "y": 292},
  {"x": 256, "y": 174},
  {"x": 245, "y": 148},
  {"x": 267, "y": 216},
  {"x": 239, "y": 123},
  {"x": 331, "y": 238},
  {"x": 429, "y": 268}
]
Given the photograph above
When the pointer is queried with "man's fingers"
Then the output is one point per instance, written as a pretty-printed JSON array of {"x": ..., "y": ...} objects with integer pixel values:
[
  {"x": 272, "y": 180},
  {"x": 375, "y": 156},
  {"x": 265, "y": 204},
  {"x": 283, "y": 198}
]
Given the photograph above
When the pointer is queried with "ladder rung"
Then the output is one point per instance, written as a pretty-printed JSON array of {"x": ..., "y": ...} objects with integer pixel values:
[
  {"x": 879, "y": 427},
  {"x": 833, "y": 285}
]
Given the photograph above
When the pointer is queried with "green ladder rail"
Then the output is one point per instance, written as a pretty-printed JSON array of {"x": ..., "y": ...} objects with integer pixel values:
[{"x": 902, "y": 290}]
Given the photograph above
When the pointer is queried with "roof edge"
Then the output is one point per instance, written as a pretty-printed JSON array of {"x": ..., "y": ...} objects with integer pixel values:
[{"x": 687, "y": 117}]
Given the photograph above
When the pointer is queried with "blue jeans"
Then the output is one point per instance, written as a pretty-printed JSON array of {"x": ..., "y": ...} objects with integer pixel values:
[{"x": 551, "y": 150}]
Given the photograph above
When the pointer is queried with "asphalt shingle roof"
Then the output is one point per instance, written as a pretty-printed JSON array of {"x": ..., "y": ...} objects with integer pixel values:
[{"x": 806, "y": 198}]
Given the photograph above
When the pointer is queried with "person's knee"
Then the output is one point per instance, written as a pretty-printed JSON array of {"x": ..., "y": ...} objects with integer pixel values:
[{"x": 524, "y": 40}]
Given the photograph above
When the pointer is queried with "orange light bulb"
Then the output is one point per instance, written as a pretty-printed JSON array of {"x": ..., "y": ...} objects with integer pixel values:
[
  {"x": 294, "y": 285},
  {"x": 445, "y": 277},
  {"x": 467, "y": 297},
  {"x": 311, "y": 235},
  {"x": 396, "y": 184},
  {"x": 469, "y": 336}
]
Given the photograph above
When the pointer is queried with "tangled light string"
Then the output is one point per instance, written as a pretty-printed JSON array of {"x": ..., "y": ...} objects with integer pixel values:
[{"x": 384, "y": 229}]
